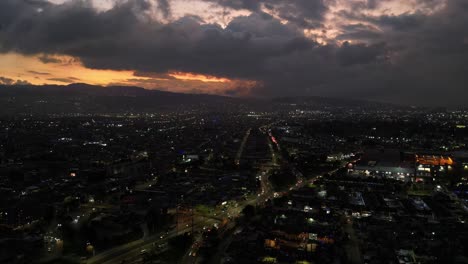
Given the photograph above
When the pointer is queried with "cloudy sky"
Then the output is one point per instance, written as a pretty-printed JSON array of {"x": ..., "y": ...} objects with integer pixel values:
[{"x": 402, "y": 51}]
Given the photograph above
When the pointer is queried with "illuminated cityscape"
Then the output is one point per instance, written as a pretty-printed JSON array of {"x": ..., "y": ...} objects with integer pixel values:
[
  {"x": 303, "y": 182},
  {"x": 240, "y": 131}
]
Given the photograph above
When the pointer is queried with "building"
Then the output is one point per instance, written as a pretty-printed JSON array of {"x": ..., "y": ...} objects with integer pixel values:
[{"x": 385, "y": 163}]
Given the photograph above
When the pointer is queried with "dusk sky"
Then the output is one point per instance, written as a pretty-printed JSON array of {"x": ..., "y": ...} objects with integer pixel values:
[{"x": 400, "y": 51}]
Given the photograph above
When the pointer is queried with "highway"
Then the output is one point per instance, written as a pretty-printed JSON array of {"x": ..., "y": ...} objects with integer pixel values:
[
  {"x": 131, "y": 250},
  {"x": 242, "y": 146}
]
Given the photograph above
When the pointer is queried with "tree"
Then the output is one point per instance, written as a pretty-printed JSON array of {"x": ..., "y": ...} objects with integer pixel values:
[{"x": 248, "y": 211}]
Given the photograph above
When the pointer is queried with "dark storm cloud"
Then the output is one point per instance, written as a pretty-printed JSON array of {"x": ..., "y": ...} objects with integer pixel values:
[
  {"x": 165, "y": 8},
  {"x": 48, "y": 59},
  {"x": 375, "y": 4},
  {"x": 122, "y": 39},
  {"x": 237, "y": 51},
  {"x": 410, "y": 58},
  {"x": 304, "y": 13},
  {"x": 253, "y": 5},
  {"x": 6, "y": 81},
  {"x": 401, "y": 22},
  {"x": 155, "y": 75},
  {"x": 360, "y": 32},
  {"x": 39, "y": 73},
  {"x": 9, "y": 81},
  {"x": 361, "y": 54},
  {"x": 64, "y": 80}
]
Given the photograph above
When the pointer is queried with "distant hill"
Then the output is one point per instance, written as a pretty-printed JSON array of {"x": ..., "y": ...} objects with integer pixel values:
[
  {"x": 84, "y": 98},
  {"x": 91, "y": 99}
]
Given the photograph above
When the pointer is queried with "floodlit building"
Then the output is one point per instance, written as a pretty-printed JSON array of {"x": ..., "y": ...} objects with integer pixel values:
[{"x": 386, "y": 164}]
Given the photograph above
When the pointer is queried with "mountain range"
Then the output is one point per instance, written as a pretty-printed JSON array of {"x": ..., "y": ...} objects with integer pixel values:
[{"x": 91, "y": 99}]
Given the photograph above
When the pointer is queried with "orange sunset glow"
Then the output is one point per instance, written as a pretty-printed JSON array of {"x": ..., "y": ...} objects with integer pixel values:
[
  {"x": 197, "y": 77},
  {"x": 62, "y": 70}
]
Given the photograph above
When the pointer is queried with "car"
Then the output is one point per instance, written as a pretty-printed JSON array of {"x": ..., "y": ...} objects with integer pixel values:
[{"x": 163, "y": 245}]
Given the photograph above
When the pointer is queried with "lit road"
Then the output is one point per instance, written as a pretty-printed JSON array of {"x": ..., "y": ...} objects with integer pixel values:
[
  {"x": 242, "y": 146},
  {"x": 133, "y": 249},
  {"x": 352, "y": 246},
  {"x": 265, "y": 193}
]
